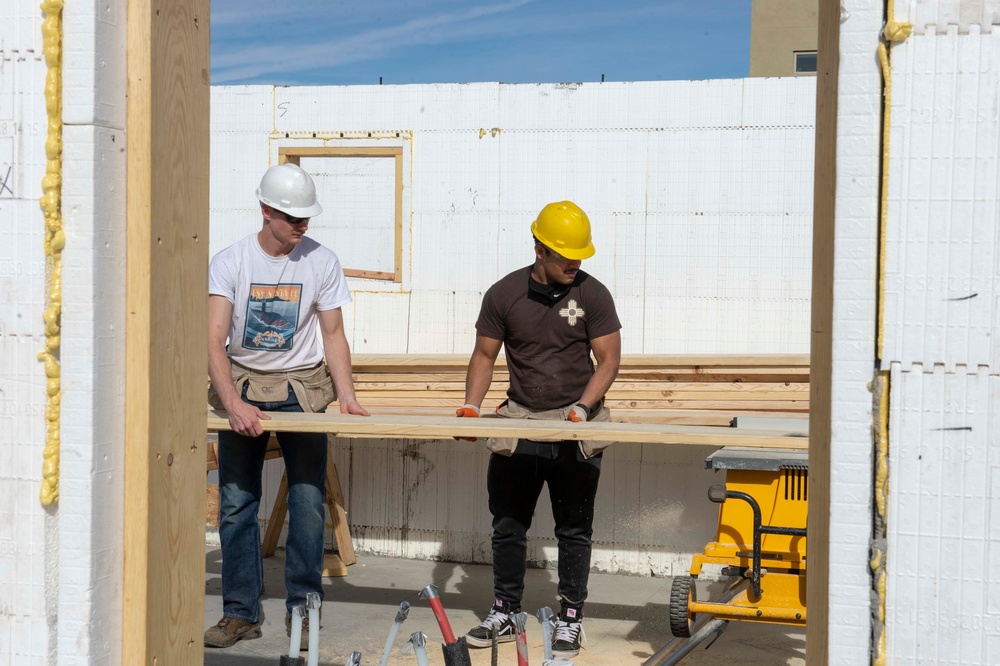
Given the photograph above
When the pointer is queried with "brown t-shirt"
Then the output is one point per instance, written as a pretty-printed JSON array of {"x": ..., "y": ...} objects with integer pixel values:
[{"x": 547, "y": 342}]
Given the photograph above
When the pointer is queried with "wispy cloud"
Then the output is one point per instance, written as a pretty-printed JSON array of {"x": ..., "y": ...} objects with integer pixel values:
[
  {"x": 286, "y": 53},
  {"x": 352, "y": 41}
]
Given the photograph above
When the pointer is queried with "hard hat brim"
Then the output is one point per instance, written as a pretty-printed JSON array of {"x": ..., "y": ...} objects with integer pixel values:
[
  {"x": 577, "y": 254},
  {"x": 308, "y": 211}
]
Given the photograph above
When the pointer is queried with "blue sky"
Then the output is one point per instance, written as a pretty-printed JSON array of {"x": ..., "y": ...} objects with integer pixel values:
[{"x": 324, "y": 42}]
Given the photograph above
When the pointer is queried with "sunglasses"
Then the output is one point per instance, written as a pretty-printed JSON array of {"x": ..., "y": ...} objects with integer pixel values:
[{"x": 295, "y": 220}]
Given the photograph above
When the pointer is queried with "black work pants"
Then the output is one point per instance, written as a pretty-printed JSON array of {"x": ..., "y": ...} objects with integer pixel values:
[{"x": 514, "y": 484}]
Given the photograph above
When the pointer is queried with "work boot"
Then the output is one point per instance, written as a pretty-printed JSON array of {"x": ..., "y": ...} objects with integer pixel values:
[
  {"x": 501, "y": 616},
  {"x": 304, "y": 638},
  {"x": 229, "y": 630},
  {"x": 568, "y": 633}
]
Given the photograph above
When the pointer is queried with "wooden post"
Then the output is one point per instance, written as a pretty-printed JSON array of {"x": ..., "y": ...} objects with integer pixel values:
[
  {"x": 821, "y": 343},
  {"x": 166, "y": 331}
]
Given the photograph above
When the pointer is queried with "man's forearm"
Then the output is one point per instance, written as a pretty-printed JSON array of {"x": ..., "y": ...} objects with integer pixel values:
[
  {"x": 599, "y": 384},
  {"x": 338, "y": 362},
  {"x": 478, "y": 379},
  {"x": 220, "y": 372}
]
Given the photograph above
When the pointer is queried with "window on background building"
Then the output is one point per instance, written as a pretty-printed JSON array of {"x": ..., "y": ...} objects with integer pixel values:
[{"x": 805, "y": 62}]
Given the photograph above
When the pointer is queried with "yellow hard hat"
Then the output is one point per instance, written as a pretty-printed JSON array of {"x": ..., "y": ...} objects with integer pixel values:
[{"x": 564, "y": 228}]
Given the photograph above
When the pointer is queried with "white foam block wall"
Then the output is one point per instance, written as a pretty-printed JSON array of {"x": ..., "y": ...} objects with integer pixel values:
[
  {"x": 700, "y": 194},
  {"x": 854, "y": 311},
  {"x": 60, "y": 575},
  {"x": 942, "y": 315},
  {"x": 943, "y": 591},
  {"x": 25, "y": 579},
  {"x": 91, "y": 506}
]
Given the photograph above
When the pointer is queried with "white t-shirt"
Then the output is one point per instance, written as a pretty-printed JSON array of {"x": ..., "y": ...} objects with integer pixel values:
[{"x": 275, "y": 301}]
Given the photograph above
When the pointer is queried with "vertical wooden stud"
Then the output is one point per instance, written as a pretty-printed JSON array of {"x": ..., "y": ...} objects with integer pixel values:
[
  {"x": 821, "y": 343},
  {"x": 166, "y": 331}
]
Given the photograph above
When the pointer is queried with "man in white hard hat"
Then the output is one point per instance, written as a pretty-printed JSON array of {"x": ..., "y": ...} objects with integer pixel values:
[
  {"x": 549, "y": 317},
  {"x": 267, "y": 294}
]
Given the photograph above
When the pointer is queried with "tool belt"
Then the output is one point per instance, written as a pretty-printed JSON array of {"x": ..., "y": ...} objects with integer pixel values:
[
  {"x": 313, "y": 387},
  {"x": 509, "y": 409}
]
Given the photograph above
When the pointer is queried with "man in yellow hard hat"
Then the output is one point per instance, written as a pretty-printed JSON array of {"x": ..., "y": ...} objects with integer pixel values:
[{"x": 549, "y": 317}]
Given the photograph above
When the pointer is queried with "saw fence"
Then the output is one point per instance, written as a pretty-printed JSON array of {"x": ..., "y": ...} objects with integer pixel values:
[{"x": 669, "y": 400}]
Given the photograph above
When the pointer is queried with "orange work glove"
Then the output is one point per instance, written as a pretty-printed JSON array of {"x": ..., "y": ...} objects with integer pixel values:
[
  {"x": 579, "y": 413},
  {"x": 469, "y": 412}
]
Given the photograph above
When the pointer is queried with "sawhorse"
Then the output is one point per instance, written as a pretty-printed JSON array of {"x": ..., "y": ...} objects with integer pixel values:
[{"x": 334, "y": 564}]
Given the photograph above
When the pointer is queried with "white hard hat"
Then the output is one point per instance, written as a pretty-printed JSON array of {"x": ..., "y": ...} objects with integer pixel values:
[{"x": 290, "y": 189}]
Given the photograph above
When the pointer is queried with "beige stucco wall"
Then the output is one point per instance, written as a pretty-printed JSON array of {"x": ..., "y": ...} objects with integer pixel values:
[{"x": 779, "y": 28}]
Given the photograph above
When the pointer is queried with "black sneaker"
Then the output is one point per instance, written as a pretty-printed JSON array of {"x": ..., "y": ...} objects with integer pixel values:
[
  {"x": 568, "y": 633},
  {"x": 501, "y": 616}
]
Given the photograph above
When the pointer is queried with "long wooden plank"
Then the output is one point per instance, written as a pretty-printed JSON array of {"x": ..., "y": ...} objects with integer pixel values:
[
  {"x": 167, "y": 145},
  {"x": 665, "y": 416},
  {"x": 619, "y": 387},
  {"x": 709, "y": 405},
  {"x": 766, "y": 375},
  {"x": 432, "y": 427},
  {"x": 364, "y": 361}
]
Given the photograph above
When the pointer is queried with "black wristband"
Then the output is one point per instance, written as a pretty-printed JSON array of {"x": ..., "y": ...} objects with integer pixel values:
[{"x": 585, "y": 408}]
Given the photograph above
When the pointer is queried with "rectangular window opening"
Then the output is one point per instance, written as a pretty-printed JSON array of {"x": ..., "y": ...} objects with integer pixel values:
[{"x": 361, "y": 191}]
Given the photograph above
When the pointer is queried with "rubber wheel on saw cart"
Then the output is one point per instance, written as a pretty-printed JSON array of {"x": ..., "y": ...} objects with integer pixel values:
[{"x": 681, "y": 594}]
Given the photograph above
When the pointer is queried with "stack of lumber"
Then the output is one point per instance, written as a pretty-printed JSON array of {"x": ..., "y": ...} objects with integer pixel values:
[{"x": 678, "y": 389}]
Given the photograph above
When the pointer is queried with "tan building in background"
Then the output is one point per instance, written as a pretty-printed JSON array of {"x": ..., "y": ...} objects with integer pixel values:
[{"x": 783, "y": 38}]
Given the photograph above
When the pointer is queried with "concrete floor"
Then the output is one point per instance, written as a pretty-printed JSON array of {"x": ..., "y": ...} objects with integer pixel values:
[{"x": 625, "y": 623}]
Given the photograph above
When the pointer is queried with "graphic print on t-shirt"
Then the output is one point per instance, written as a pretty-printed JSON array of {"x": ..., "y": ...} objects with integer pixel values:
[{"x": 272, "y": 316}]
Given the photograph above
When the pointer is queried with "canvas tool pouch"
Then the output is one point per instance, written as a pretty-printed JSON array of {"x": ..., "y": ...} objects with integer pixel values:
[
  {"x": 511, "y": 410},
  {"x": 313, "y": 387}
]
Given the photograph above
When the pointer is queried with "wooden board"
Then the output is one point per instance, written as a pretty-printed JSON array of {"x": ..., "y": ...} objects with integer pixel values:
[
  {"x": 166, "y": 233},
  {"x": 821, "y": 325},
  {"x": 676, "y": 416},
  {"x": 374, "y": 362},
  {"x": 432, "y": 427}
]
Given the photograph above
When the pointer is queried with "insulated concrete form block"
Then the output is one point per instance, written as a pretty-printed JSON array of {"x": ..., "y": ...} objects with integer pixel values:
[
  {"x": 943, "y": 590},
  {"x": 27, "y": 562},
  {"x": 942, "y": 298},
  {"x": 22, "y": 268},
  {"x": 380, "y": 322},
  {"x": 431, "y": 330},
  {"x": 240, "y": 124},
  {"x": 765, "y": 99},
  {"x": 541, "y": 166},
  {"x": 457, "y": 172},
  {"x": 23, "y": 580},
  {"x": 93, "y": 394},
  {"x": 241, "y": 110},
  {"x": 710, "y": 285},
  {"x": 937, "y": 15},
  {"x": 853, "y": 351},
  {"x": 93, "y": 63},
  {"x": 357, "y": 110},
  {"x": 458, "y": 251},
  {"x": 638, "y": 105},
  {"x": 241, "y": 120},
  {"x": 402, "y": 498}
]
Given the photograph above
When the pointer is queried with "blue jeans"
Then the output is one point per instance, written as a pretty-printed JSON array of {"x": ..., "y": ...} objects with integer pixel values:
[{"x": 241, "y": 461}]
